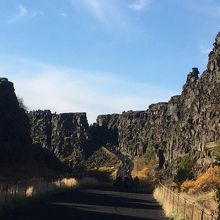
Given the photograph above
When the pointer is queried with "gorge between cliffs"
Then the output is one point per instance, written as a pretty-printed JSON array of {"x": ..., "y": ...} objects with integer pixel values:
[{"x": 42, "y": 144}]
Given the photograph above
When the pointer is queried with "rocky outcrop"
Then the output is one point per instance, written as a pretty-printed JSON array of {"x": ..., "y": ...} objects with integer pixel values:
[
  {"x": 14, "y": 127},
  {"x": 65, "y": 135},
  {"x": 187, "y": 124}
]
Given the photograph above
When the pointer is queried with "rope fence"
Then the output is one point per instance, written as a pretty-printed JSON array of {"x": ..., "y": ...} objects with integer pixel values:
[{"x": 184, "y": 208}]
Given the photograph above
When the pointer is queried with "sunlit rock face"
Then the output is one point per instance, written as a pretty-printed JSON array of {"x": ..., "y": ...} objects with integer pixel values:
[
  {"x": 65, "y": 135},
  {"x": 187, "y": 124},
  {"x": 14, "y": 127}
]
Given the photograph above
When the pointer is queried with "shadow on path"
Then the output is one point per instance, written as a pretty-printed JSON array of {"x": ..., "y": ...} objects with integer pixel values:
[{"x": 92, "y": 205}]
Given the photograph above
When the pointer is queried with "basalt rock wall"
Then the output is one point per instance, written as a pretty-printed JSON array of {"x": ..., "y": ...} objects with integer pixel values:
[
  {"x": 188, "y": 124},
  {"x": 65, "y": 135},
  {"x": 14, "y": 127}
]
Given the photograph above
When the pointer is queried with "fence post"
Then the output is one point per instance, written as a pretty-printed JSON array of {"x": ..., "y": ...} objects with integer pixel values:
[
  {"x": 173, "y": 200},
  {"x": 193, "y": 205},
  {"x": 202, "y": 214},
  {"x": 184, "y": 212},
  {"x": 177, "y": 207},
  {"x": 15, "y": 192},
  {"x": 212, "y": 216},
  {"x": 170, "y": 196},
  {"x": 6, "y": 194}
]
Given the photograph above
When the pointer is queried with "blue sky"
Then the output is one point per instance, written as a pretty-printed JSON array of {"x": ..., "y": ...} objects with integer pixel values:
[{"x": 103, "y": 56}]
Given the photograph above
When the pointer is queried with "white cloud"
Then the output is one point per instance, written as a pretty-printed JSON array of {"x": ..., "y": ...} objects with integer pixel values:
[
  {"x": 139, "y": 5},
  {"x": 106, "y": 11},
  {"x": 96, "y": 7},
  {"x": 70, "y": 90},
  {"x": 63, "y": 14},
  {"x": 23, "y": 14}
]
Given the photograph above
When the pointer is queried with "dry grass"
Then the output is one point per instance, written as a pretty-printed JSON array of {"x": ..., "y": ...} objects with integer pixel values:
[
  {"x": 106, "y": 169},
  {"x": 203, "y": 199},
  {"x": 19, "y": 192},
  {"x": 89, "y": 182},
  {"x": 143, "y": 172},
  {"x": 180, "y": 206},
  {"x": 66, "y": 183},
  {"x": 167, "y": 207}
]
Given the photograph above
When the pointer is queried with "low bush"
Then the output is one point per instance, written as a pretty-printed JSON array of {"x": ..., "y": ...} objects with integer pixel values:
[
  {"x": 184, "y": 170},
  {"x": 205, "y": 182},
  {"x": 149, "y": 155}
]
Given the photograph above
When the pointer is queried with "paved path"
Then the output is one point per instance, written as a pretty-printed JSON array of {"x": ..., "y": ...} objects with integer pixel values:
[{"x": 90, "y": 205}]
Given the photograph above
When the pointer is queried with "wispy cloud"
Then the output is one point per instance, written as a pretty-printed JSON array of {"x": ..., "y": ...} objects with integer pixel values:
[
  {"x": 23, "y": 14},
  {"x": 71, "y": 90},
  {"x": 63, "y": 14},
  {"x": 105, "y": 11},
  {"x": 139, "y": 5}
]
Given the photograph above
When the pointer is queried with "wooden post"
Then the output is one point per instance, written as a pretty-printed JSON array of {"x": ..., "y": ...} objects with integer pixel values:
[
  {"x": 212, "y": 216},
  {"x": 178, "y": 201},
  {"x": 6, "y": 193},
  {"x": 184, "y": 212},
  {"x": 15, "y": 192},
  {"x": 193, "y": 205},
  {"x": 170, "y": 196},
  {"x": 202, "y": 214}
]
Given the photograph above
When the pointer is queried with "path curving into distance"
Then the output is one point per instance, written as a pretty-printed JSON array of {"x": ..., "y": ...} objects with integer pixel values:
[{"x": 90, "y": 205}]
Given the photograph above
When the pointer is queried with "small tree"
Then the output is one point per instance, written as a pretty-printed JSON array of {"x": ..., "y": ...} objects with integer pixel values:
[
  {"x": 149, "y": 155},
  {"x": 21, "y": 103},
  {"x": 184, "y": 170}
]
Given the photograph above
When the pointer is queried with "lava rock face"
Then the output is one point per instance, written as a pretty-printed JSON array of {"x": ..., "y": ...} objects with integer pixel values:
[
  {"x": 187, "y": 124},
  {"x": 65, "y": 135},
  {"x": 14, "y": 127}
]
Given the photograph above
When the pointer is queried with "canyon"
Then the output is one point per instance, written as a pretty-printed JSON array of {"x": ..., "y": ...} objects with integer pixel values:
[{"x": 188, "y": 124}]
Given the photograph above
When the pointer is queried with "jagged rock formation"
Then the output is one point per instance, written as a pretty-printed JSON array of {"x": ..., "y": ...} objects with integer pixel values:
[
  {"x": 187, "y": 124},
  {"x": 102, "y": 158},
  {"x": 65, "y": 135},
  {"x": 14, "y": 127}
]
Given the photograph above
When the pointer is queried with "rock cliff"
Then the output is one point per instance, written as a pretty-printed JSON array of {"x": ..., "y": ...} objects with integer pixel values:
[
  {"x": 188, "y": 124},
  {"x": 14, "y": 127},
  {"x": 65, "y": 135}
]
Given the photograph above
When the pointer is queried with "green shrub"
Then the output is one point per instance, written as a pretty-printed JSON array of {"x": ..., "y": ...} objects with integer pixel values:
[
  {"x": 149, "y": 155},
  {"x": 184, "y": 170},
  {"x": 21, "y": 103}
]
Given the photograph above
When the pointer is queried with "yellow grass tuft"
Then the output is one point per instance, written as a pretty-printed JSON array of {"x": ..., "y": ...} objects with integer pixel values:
[{"x": 29, "y": 191}]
